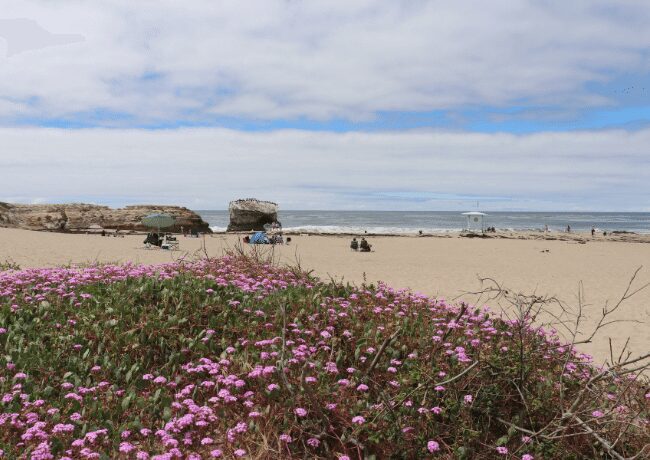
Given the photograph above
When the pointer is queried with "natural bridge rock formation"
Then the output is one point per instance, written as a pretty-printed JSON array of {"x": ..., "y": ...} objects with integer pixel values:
[
  {"x": 251, "y": 214},
  {"x": 79, "y": 217}
]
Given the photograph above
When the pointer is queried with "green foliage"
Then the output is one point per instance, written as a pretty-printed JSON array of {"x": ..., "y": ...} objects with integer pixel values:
[{"x": 429, "y": 357}]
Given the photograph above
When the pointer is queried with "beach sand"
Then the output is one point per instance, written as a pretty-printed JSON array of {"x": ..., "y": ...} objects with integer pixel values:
[{"x": 438, "y": 266}]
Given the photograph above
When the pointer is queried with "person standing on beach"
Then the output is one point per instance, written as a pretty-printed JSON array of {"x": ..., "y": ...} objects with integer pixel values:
[
  {"x": 593, "y": 231},
  {"x": 568, "y": 229}
]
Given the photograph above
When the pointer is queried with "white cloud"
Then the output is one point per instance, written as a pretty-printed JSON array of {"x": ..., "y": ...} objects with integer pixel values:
[
  {"x": 273, "y": 59},
  {"x": 206, "y": 168}
]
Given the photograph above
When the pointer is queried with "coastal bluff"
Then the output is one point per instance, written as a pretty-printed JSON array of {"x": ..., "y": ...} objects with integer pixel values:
[
  {"x": 251, "y": 214},
  {"x": 80, "y": 217}
]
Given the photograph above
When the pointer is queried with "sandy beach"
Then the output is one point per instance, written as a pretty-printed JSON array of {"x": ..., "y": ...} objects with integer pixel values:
[{"x": 438, "y": 266}]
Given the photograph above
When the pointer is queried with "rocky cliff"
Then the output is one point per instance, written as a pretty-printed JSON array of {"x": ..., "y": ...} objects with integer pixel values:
[
  {"x": 251, "y": 214},
  {"x": 79, "y": 217}
]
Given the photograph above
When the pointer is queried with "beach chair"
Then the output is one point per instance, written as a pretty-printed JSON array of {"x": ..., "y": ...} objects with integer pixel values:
[{"x": 170, "y": 243}]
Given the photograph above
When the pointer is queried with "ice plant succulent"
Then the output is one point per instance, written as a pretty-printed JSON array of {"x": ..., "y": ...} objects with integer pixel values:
[{"x": 223, "y": 358}]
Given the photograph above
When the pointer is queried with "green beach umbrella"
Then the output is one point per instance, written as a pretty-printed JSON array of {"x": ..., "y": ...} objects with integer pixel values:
[{"x": 158, "y": 221}]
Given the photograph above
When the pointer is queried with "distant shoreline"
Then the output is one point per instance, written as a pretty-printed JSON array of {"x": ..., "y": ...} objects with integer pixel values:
[{"x": 577, "y": 237}]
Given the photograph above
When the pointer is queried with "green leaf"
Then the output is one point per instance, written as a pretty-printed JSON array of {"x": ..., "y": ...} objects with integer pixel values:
[{"x": 126, "y": 402}]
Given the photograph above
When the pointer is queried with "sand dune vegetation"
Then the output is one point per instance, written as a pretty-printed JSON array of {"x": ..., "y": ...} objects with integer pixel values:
[{"x": 238, "y": 357}]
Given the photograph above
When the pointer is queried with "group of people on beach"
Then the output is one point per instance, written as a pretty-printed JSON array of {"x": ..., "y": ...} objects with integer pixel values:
[
  {"x": 272, "y": 234},
  {"x": 361, "y": 246},
  {"x": 193, "y": 233},
  {"x": 593, "y": 230},
  {"x": 155, "y": 239}
]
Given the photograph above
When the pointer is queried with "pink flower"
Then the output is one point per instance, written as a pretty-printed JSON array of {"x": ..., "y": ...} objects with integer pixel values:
[
  {"x": 527, "y": 457},
  {"x": 359, "y": 420},
  {"x": 468, "y": 399},
  {"x": 239, "y": 453},
  {"x": 313, "y": 442},
  {"x": 285, "y": 438},
  {"x": 597, "y": 414},
  {"x": 362, "y": 387},
  {"x": 216, "y": 453},
  {"x": 502, "y": 450},
  {"x": 433, "y": 446},
  {"x": 126, "y": 447},
  {"x": 300, "y": 412}
]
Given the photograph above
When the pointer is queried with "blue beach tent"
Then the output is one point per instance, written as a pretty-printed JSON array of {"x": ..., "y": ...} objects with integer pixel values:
[{"x": 259, "y": 238}]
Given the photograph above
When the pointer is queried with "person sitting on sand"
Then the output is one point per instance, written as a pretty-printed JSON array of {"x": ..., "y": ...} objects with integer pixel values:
[
  {"x": 153, "y": 239},
  {"x": 354, "y": 244},
  {"x": 364, "y": 246}
]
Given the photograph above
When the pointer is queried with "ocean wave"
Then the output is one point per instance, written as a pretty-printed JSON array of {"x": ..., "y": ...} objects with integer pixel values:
[{"x": 356, "y": 230}]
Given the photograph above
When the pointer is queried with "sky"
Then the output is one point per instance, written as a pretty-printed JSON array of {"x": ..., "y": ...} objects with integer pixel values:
[{"x": 400, "y": 105}]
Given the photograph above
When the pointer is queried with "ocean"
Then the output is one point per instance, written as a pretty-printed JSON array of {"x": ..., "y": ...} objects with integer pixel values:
[{"x": 410, "y": 222}]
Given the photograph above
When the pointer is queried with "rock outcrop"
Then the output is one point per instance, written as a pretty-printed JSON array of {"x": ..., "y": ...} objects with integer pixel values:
[
  {"x": 251, "y": 214},
  {"x": 79, "y": 217}
]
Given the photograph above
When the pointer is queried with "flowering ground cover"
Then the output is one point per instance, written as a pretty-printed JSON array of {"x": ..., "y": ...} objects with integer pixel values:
[{"x": 236, "y": 357}]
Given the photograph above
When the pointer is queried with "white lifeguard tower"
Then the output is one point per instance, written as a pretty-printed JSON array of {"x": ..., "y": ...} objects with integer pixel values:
[{"x": 475, "y": 221}]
